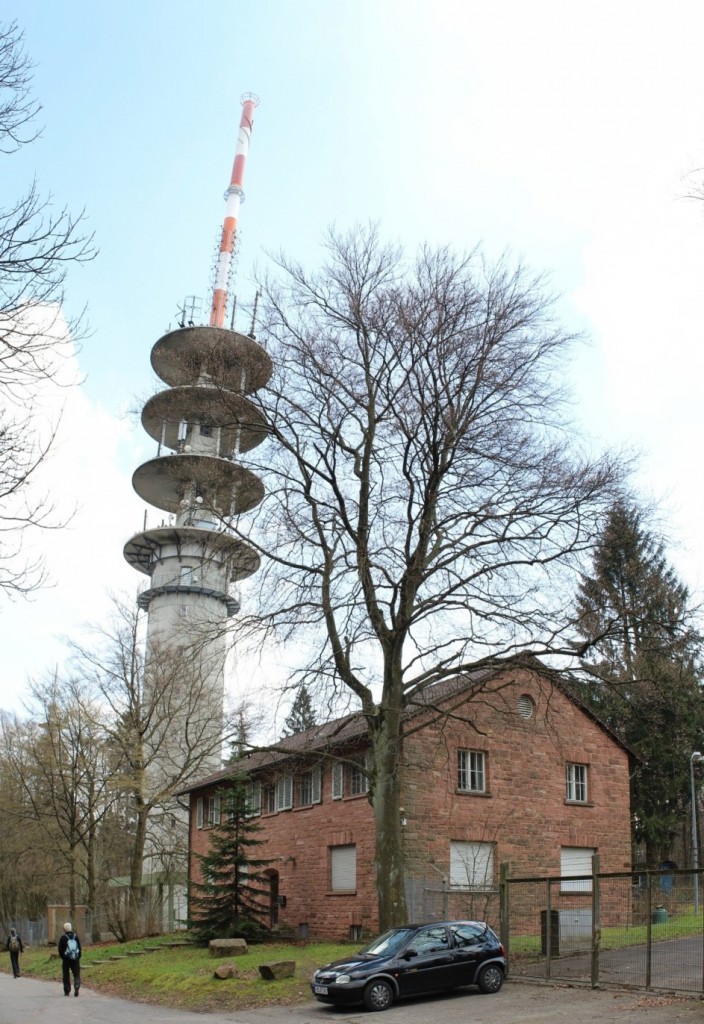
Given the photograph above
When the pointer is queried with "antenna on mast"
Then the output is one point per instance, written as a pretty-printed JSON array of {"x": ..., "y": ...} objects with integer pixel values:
[
  {"x": 233, "y": 197},
  {"x": 254, "y": 312}
]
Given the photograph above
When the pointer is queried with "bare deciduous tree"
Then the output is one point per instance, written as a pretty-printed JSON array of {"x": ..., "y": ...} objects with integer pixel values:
[
  {"x": 38, "y": 245},
  {"x": 161, "y": 723},
  {"x": 425, "y": 492}
]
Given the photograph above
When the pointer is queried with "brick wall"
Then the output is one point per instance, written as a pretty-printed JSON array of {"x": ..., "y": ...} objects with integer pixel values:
[
  {"x": 524, "y": 811},
  {"x": 523, "y": 814},
  {"x": 299, "y": 842}
]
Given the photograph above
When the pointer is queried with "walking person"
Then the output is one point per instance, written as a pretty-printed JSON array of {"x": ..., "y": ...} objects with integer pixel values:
[
  {"x": 15, "y": 947},
  {"x": 70, "y": 953}
]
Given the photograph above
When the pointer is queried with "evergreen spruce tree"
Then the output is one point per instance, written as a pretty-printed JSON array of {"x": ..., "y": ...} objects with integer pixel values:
[
  {"x": 232, "y": 900},
  {"x": 643, "y": 672},
  {"x": 240, "y": 742},
  {"x": 301, "y": 716}
]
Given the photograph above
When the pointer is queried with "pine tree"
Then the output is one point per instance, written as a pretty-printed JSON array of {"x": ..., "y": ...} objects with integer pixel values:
[
  {"x": 643, "y": 672},
  {"x": 301, "y": 716},
  {"x": 232, "y": 900}
]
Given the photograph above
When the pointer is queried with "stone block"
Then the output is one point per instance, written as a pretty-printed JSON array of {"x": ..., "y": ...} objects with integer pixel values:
[
  {"x": 227, "y": 947},
  {"x": 278, "y": 969},
  {"x": 223, "y": 971}
]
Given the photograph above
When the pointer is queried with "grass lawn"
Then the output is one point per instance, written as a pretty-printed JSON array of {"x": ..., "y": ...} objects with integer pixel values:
[{"x": 183, "y": 977}]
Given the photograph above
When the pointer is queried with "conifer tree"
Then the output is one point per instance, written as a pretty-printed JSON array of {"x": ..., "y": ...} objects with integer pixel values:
[
  {"x": 232, "y": 899},
  {"x": 301, "y": 716},
  {"x": 644, "y": 670}
]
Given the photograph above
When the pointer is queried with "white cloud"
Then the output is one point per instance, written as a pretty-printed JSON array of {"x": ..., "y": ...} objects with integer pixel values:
[{"x": 84, "y": 559}]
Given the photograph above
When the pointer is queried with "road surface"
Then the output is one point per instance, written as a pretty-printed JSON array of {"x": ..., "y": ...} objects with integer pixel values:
[{"x": 29, "y": 1001}]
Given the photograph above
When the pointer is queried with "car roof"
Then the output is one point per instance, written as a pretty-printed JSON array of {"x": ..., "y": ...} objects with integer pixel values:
[{"x": 441, "y": 924}]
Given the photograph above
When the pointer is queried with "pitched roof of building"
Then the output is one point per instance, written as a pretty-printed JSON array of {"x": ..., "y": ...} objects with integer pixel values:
[{"x": 342, "y": 732}]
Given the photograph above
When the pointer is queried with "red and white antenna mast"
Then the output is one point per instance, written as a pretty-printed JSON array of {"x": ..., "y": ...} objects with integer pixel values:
[{"x": 233, "y": 197}]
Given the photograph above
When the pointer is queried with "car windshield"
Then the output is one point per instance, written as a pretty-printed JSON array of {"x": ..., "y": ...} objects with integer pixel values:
[{"x": 388, "y": 943}]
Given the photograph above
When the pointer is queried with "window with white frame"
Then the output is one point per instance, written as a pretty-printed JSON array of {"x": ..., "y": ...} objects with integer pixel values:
[
  {"x": 253, "y": 791},
  {"x": 471, "y": 865},
  {"x": 576, "y": 861},
  {"x": 284, "y": 793},
  {"x": 199, "y": 812},
  {"x": 309, "y": 787},
  {"x": 343, "y": 868},
  {"x": 212, "y": 811},
  {"x": 358, "y": 778},
  {"x": 576, "y": 783},
  {"x": 338, "y": 781},
  {"x": 471, "y": 771}
]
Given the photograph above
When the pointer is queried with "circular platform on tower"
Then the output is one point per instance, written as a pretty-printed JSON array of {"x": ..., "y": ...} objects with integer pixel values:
[
  {"x": 241, "y": 424},
  {"x": 150, "y": 546},
  {"x": 231, "y": 360},
  {"x": 224, "y": 486}
]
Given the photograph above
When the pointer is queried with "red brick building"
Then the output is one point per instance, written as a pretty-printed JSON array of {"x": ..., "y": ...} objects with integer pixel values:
[{"x": 508, "y": 767}]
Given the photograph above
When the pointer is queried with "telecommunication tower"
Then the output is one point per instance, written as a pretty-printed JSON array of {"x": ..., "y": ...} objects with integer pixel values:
[{"x": 202, "y": 422}]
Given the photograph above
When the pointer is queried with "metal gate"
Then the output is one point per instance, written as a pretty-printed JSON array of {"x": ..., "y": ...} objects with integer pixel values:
[{"x": 643, "y": 929}]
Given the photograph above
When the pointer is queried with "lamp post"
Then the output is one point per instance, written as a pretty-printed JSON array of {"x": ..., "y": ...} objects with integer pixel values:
[{"x": 696, "y": 758}]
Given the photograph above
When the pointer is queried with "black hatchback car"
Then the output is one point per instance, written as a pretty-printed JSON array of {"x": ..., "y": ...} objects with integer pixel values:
[{"x": 414, "y": 959}]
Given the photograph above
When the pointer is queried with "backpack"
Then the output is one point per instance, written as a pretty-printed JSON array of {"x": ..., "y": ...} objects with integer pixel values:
[
  {"x": 71, "y": 948},
  {"x": 14, "y": 944}
]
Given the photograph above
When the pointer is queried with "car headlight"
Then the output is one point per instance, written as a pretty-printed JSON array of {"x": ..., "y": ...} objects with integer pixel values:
[{"x": 342, "y": 979}]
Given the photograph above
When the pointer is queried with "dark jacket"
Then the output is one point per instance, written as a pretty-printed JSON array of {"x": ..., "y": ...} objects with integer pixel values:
[
  {"x": 63, "y": 944},
  {"x": 19, "y": 939}
]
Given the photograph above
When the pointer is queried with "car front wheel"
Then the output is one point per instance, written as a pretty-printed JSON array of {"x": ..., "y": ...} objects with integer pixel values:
[
  {"x": 490, "y": 978},
  {"x": 378, "y": 995}
]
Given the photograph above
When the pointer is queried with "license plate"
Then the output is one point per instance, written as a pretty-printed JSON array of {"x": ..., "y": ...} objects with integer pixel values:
[{"x": 320, "y": 990}]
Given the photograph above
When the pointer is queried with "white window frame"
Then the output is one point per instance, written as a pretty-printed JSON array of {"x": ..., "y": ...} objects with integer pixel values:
[
  {"x": 343, "y": 868},
  {"x": 358, "y": 778},
  {"x": 471, "y": 865},
  {"x": 212, "y": 811},
  {"x": 317, "y": 784},
  {"x": 253, "y": 791},
  {"x": 576, "y": 783},
  {"x": 284, "y": 793},
  {"x": 313, "y": 780},
  {"x": 199, "y": 812},
  {"x": 576, "y": 860},
  {"x": 338, "y": 780},
  {"x": 471, "y": 771}
]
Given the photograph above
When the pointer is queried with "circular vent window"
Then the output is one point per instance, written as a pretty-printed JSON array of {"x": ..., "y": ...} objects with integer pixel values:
[{"x": 525, "y": 706}]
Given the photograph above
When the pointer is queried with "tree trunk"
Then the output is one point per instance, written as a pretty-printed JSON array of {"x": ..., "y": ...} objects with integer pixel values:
[
  {"x": 91, "y": 878},
  {"x": 388, "y": 858},
  {"x": 72, "y": 897},
  {"x": 134, "y": 925}
]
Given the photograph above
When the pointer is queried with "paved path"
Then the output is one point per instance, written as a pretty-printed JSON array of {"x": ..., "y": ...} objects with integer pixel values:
[{"x": 29, "y": 1001}]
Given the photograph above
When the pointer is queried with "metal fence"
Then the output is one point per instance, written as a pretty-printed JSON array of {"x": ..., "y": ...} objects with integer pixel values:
[
  {"x": 641, "y": 930},
  {"x": 644, "y": 930},
  {"x": 34, "y": 933}
]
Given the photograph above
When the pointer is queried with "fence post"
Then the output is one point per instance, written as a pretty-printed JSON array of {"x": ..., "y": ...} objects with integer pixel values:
[
  {"x": 548, "y": 929},
  {"x": 596, "y": 919},
  {"x": 504, "y": 918},
  {"x": 648, "y": 928},
  {"x": 702, "y": 954}
]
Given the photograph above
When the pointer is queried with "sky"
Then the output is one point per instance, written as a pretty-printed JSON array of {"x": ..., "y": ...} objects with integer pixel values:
[{"x": 567, "y": 134}]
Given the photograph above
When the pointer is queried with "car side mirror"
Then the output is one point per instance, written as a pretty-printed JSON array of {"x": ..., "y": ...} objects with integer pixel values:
[{"x": 410, "y": 953}]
